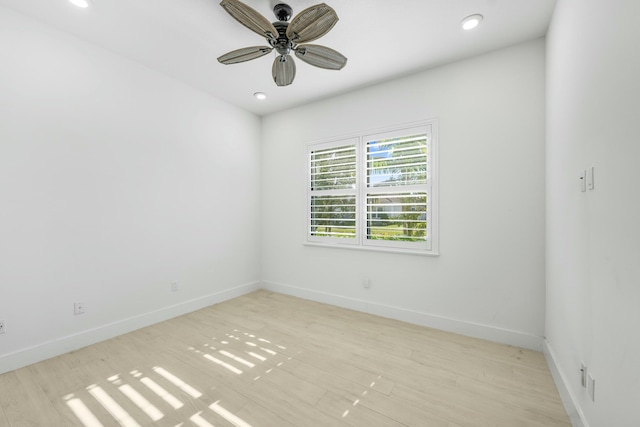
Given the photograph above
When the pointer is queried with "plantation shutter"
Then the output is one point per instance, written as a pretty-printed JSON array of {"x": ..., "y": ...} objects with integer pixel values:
[
  {"x": 396, "y": 181},
  {"x": 375, "y": 191},
  {"x": 332, "y": 204}
]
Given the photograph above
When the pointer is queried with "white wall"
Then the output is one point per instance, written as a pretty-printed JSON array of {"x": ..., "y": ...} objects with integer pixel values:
[
  {"x": 489, "y": 279},
  {"x": 593, "y": 238},
  {"x": 114, "y": 182}
]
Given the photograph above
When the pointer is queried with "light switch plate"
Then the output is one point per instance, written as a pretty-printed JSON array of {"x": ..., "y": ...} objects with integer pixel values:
[{"x": 591, "y": 387}]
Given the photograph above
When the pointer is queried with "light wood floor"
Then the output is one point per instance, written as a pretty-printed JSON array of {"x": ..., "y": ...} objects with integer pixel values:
[{"x": 269, "y": 360}]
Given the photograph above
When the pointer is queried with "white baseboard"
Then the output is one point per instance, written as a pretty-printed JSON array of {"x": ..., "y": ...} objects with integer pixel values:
[
  {"x": 491, "y": 333},
  {"x": 568, "y": 399},
  {"x": 46, "y": 350},
  {"x": 58, "y": 346}
]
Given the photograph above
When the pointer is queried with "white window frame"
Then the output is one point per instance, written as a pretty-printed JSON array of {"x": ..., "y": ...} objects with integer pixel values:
[{"x": 428, "y": 247}]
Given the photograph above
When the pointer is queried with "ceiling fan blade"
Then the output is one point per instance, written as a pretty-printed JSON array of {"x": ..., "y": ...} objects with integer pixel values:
[
  {"x": 321, "y": 56},
  {"x": 250, "y": 18},
  {"x": 312, "y": 23},
  {"x": 244, "y": 54},
  {"x": 284, "y": 70}
]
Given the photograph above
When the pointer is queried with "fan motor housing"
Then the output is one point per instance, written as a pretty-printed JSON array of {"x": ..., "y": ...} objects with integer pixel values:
[{"x": 282, "y": 44}]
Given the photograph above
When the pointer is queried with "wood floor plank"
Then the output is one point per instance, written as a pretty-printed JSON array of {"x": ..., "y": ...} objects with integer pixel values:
[
  {"x": 20, "y": 397},
  {"x": 3, "y": 418},
  {"x": 351, "y": 413},
  {"x": 267, "y": 359}
]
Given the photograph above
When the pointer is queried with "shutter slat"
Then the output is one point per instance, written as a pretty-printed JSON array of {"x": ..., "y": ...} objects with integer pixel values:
[
  {"x": 333, "y": 216},
  {"x": 397, "y": 162},
  {"x": 333, "y": 168},
  {"x": 397, "y": 216}
]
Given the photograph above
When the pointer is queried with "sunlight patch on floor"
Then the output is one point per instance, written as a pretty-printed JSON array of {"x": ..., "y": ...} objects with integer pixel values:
[
  {"x": 81, "y": 411},
  {"x": 199, "y": 421},
  {"x": 257, "y": 356},
  {"x": 162, "y": 393},
  {"x": 223, "y": 364},
  {"x": 237, "y": 358},
  {"x": 108, "y": 403},
  {"x": 178, "y": 382},
  {"x": 122, "y": 393},
  {"x": 364, "y": 393},
  {"x": 233, "y": 419},
  {"x": 142, "y": 403}
]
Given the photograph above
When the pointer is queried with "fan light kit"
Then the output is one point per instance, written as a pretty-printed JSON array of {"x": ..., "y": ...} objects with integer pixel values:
[
  {"x": 285, "y": 37},
  {"x": 471, "y": 22},
  {"x": 80, "y": 3}
]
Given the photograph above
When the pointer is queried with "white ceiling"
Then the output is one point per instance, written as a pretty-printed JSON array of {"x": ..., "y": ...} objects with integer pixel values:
[{"x": 381, "y": 39}]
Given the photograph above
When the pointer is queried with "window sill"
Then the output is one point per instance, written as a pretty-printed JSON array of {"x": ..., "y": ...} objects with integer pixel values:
[{"x": 375, "y": 249}]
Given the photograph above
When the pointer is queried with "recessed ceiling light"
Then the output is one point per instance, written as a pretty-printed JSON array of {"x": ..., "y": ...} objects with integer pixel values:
[
  {"x": 260, "y": 95},
  {"x": 472, "y": 21},
  {"x": 80, "y": 3}
]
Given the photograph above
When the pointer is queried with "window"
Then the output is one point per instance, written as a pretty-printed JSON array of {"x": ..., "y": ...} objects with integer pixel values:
[{"x": 375, "y": 190}]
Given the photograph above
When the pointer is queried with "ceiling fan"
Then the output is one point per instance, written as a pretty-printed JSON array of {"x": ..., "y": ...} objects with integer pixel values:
[{"x": 285, "y": 37}]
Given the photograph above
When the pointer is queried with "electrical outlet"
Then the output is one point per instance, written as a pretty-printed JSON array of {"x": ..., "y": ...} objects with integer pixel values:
[
  {"x": 366, "y": 282},
  {"x": 2, "y": 327},
  {"x": 175, "y": 287},
  {"x": 78, "y": 308}
]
